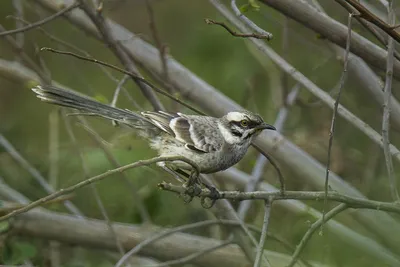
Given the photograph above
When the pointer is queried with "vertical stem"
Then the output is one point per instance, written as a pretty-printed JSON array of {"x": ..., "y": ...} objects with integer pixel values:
[
  {"x": 386, "y": 109},
  {"x": 335, "y": 109},
  {"x": 260, "y": 247}
]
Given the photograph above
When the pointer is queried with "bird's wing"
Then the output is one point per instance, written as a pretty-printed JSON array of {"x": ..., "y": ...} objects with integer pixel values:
[{"x": 195, "y": 134}]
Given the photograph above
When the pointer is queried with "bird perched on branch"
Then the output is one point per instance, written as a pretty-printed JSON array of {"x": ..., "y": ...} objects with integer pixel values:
[{"x": 214, "y": 144}]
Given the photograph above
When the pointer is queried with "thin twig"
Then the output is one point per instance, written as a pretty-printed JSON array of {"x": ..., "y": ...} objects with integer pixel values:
[
  {"x": 335, "y": 109},
  {"x": 308, "y": 84},
  {"x": 250, "y": 24},
  {"x": 257, "y": 172},
  {"x": 19, "y": 11},
  {"x": 132, "y": 75},
  {"x": 53, "y": 147},
  {"x": 71, "y": 46},
  {"x": 371, "y": 17},
  {"x": 386, "y": 109},
  {"x": 93, "y": 187},
  {"x": 368, "y": 25},
  {"x": 35, "y": 173},
  {"x": 312, "y": 230},
  {"x": 96, "y": 178},
  {"x": 25, "y": 58},
  {"x": 191, "y": 257},
  {"x": 144, "y": 214},
  {"x": 161, "y": 47},
  {"x": 108, "y": 37},
  {"x": 41, "y": 22},
  {"x": 246, "y": 240},
  {"x": 260, "y": 247},
  {"x": 118, "y": 89},
  {"x": 54, "y": 246},
  {"x": 273, "y": 163},
  {"x": 174, "y": 230},
  {"x": 233, "y": 33}
]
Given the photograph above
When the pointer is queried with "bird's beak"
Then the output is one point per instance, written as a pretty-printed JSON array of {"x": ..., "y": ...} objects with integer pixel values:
[{"x": 265, "y": 126}]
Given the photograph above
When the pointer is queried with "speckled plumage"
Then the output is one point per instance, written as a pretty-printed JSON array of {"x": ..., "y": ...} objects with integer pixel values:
[{"x": 215, "y": 144}]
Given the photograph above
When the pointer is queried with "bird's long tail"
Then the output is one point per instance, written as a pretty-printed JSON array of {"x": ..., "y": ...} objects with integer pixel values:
[{"x": 89, "y": 106}]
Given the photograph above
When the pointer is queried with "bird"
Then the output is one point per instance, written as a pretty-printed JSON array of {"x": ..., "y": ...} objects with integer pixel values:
[{"x": 213, "y": 143}]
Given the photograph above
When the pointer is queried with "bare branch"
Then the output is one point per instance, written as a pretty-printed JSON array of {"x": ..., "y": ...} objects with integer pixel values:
[
  {"x": 263, "y": 237},
  {"x": 335, "y": 109},
  {"x": 96, "y": 178},
  {"x": 386, "y": 109},
  {"x": 333, "y": 30},
  {"x": 312, "y": 230},
  {"x": 193, "y": 256},
  {"x": 40, "y": 23},
  {"x": 93, "y": 187},
  {"x": 35, "y": 173},
  {"x": 137, "y": 200},
  {"x": 262, "y": 160},
  {"x": 371, "y": 17},
  {"x": 352, "y": 202},
  {"x": 108, "y": 37},
  {"x": 19, "y": 12},
  {"x": 118, "y": 89},
  {"x": 309, "y": 85},
  {"x": 250, "y": 24},
  {"x": 93, "y": 234},
  {"x": 162, "y": 49},
  {"x": 132, "y": 75}
]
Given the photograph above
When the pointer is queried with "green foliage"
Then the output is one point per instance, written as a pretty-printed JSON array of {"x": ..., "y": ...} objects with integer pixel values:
[
  {"x": 251, "y": 5},
  {"x": 17, "y": 252}
]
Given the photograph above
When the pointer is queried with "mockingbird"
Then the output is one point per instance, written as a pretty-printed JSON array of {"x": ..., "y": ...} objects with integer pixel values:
[{"x": 214, "y": 144}]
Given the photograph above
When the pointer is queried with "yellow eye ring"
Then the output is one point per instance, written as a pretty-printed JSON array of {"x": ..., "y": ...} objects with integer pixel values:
[{"x": 244, "y": 123}]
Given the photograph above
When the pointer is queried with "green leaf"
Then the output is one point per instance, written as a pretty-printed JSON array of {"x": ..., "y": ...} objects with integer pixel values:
[
  {"x": 244, "y": 8},
  {"x": 254, "y": 5}
]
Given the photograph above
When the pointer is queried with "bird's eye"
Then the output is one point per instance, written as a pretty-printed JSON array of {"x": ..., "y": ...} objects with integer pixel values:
[{"x": 244, "y": 123}]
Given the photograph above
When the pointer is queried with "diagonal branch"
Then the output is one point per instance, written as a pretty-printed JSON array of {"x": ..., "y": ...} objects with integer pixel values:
[
  {"x": 41, "y": 22},
  {"x": 94, "y": 179},
  {"x": 371, "y": 17},
  {"x": 115, "y": 47}
]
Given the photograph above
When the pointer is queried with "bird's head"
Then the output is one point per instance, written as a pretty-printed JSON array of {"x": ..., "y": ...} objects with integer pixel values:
[{"x": 240, "y": 127}]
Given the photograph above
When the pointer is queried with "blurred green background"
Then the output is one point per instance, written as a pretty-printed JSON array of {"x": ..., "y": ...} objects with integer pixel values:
[{"x": 227, "y": 63}]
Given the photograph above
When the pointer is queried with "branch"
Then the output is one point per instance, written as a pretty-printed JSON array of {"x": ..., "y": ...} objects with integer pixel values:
[
  {"x": 335, "y": 109},
  {"x": 313, "y": 228},
  {"x": 131, "y": 74},
  {"x": 193, "y": 88},
  {"x": 308, "y": 84},
  {"x": 108, "y": 38},
  {"x": 371, "y": 17},
  {"x": 92, "y": 233},
  {"x": 305, "y": 14},
  {"x": 300, "y": 162},
  {"x": 386, "y": 110},
  {"x": 95, "y": 179},
  {"x": 35, "y": 173},
  {"x": 263, "y": 237},
  {"x": 144, "y": 214},
  {"x": 352, "y": 202},
  {"x": 250, "y": 24},
  {"x": 40, "y": 23},
  {"x": 191, "y": 257}
]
